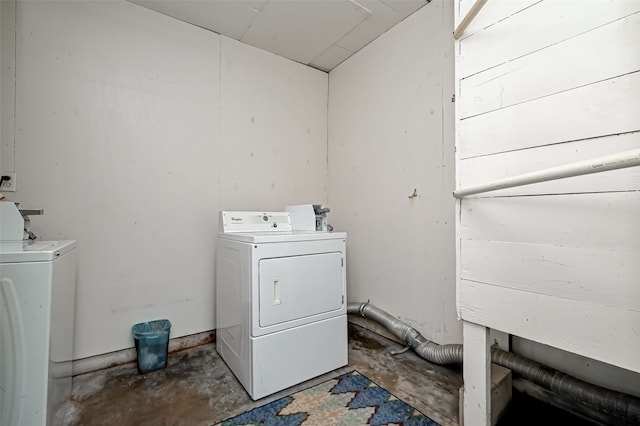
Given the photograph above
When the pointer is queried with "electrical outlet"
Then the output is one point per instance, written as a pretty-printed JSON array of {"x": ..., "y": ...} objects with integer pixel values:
[{"x": 8, "y": 185}]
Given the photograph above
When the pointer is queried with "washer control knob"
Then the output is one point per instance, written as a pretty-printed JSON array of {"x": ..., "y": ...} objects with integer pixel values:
[{"x": 265, "y": 218}]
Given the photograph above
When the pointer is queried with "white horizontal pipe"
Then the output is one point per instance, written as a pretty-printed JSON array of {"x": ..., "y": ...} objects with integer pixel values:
[
  {"x": 594, "y": 165},
  {"x": 468, "y": 18}
]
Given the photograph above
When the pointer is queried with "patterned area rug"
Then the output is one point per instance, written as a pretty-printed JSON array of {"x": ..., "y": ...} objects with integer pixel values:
[{"x": 350, "y": 399}]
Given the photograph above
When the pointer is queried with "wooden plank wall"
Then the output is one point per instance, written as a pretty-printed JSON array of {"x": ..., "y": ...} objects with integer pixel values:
[{"x": 541, "y": 84}]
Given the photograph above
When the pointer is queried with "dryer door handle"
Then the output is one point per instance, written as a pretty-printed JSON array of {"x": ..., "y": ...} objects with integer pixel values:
[{"x": 276, "y": 291}]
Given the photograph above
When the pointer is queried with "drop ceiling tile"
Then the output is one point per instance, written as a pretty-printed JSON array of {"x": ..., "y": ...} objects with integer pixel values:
[
  {"x": 381, "y": 19},
  {"x": 301, "y": 30},
  {"x": 308, "y": 31},
  {"x": 330, "y": 58},
  {"x": 405, "y": 7},
  {"x": 228, "y": 17}
]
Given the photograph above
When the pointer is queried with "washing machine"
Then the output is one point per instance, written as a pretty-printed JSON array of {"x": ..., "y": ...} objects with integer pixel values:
[
  {"x": 280, "y": 301},
  {"x": 37, "y": 305}
]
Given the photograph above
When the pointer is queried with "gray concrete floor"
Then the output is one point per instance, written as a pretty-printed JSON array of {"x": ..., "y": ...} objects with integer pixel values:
[{"x": 197, "y": 388}]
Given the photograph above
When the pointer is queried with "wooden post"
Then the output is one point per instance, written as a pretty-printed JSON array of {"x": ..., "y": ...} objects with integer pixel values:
[{"x": 477, "y": 375}]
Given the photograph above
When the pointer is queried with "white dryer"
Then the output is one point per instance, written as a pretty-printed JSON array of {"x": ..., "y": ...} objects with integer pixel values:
[{"x": 280, "y": 301}]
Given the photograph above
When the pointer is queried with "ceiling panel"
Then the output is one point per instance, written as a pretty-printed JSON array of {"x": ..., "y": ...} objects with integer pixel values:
[
  {"x": 381, "y": 19},
  {"x": 405, "y": 7},
  {"x": 320, "y": 33},
  {"x": 303, "y": 29},
  {"x": 331, "y": 57},
  {"x": 229, "y": 17}
]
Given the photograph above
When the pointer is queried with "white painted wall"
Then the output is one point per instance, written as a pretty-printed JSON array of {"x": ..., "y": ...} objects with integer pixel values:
[
  {"x": 7, "y": 88},
  {"x": 132, "y": 130},
  {"x": 390, "y": 132},
  {"x": 555, "y": 264},
  {"x": 273, "y": 127}
]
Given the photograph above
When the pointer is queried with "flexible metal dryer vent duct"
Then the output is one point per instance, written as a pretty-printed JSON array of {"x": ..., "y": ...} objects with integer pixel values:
[{"x": 618, "y": 404}]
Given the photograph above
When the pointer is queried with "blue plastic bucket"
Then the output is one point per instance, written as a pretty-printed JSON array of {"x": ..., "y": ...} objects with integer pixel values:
[{"x": 152, "y": 344}]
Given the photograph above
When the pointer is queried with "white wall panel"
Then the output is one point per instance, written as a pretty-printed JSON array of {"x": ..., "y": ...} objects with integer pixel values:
[
  {"x": 606, "y": 276},
  {"x": 389, "y": 133},
  {"x": 606, "y": 108},
  {"x": 543, "y": 24},
  {"x": 571, "y": 325},
  {"x": 119, "y": 140},
  {"x": 7, "y": 85},
  {"x": 500, "y": 86},
  {"x": 273, "y": 130},
  {"x": 568, "y": 220}
]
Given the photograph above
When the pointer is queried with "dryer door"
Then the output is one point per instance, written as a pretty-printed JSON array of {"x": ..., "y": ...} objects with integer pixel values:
[{"x": 296, "y": 287}]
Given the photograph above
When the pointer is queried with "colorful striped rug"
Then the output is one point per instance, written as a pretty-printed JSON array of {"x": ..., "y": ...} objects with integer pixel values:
[{"x": 350, "y": 400}]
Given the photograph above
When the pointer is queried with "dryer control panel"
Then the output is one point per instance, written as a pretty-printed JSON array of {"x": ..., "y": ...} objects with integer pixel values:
[{"x": 239, "y": 221}]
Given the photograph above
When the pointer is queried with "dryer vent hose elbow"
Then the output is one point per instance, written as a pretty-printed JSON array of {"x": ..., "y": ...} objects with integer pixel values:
[{"x": 623, "y": 406}]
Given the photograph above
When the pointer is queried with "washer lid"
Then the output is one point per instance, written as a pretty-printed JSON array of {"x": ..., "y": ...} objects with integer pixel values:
[{"x": 35, "y": 251}]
